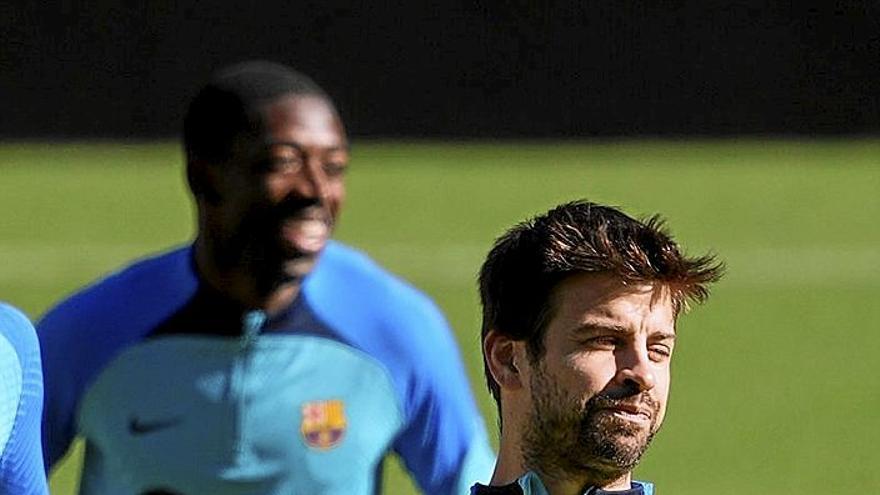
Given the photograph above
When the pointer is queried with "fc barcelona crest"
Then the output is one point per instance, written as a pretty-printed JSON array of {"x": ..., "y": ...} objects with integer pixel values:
[{"x": 323, "y": 423}]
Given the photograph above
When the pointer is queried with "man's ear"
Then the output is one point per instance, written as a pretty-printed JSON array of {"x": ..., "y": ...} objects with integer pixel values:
[{"x": 502, "y": 358}]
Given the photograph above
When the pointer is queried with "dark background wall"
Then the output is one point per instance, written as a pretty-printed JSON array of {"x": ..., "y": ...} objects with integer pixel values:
[{"x": 455, "y": 69}]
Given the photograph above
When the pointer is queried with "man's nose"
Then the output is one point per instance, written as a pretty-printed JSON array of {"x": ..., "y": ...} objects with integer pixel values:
[
  {"x": 311, "y": 181},
  {"x": 634, "y": 369}
]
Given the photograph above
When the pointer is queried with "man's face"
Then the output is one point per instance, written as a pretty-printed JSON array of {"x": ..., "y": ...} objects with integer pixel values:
[
  {"x": 280, "y": 193},
  {"x": 598, "y": 394}
]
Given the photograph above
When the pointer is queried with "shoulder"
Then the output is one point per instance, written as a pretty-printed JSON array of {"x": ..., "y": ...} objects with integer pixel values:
[
  {"x": 647, "y": 487},
  {"x": 16, "y": 332},
  {"x": 21, "y": 393},
  {"x": 376, "y": 302},
  {"x": 85, "y": 331},
  {"x": 125, "y": 297},
  {"x": 19, "y": 355},
  {"x": 19, "y": 348},
  {"x": 341, "y": 263},
  {"x": 391, "y": 321},
  {"x": 16, "y": 328}
]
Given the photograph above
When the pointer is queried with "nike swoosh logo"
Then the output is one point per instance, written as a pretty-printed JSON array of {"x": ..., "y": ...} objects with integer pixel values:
[{"x": 140, "y": 427}]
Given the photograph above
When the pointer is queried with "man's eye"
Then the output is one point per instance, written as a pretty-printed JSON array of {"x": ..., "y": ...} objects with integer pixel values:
[
  {"x": 285, "y": 164},
  {"x": 660, "y": 352},
  {"x": 335, "y": 169}
]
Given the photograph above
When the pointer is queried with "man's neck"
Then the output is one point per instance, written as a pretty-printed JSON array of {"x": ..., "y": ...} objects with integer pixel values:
[
  {"x": 240, "y": 286},
  {"x": 511, "y": 466},
  {"x": 579, "y": 485}
]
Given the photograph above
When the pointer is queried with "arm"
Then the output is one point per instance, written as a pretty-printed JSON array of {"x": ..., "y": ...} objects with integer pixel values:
[
  {"x": 61, "y": 390},
  {"x": 444, "y": 443},
  {"x": 21, "y": 400}
]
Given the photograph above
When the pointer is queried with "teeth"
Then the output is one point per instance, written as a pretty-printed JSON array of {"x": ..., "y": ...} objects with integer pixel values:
[
  {"x": 307, "y": 235},
  {"x": 313, "y": 228},
  {"x": 630, "y": 414}
]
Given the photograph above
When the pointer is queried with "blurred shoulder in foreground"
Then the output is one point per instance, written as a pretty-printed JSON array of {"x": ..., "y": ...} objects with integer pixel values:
[{"x": 21, "y": 402}]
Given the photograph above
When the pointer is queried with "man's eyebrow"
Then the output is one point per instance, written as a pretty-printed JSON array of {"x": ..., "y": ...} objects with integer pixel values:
[
  {"x": 342, "y": 147},
  {"x": 597, "y": 327}
]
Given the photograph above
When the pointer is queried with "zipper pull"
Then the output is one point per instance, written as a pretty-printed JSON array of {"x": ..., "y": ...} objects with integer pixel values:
[{"x": 252, "y": 322}]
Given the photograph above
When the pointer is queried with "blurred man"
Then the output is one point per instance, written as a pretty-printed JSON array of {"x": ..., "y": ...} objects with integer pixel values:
[
  {"x": 579, "y": 313},
  {"x": 21, "y": 401},
  {"x": 263, "y": 358}
]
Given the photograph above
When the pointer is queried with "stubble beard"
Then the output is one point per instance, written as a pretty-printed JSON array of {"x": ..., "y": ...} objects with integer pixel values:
[{"x": 565, "y": 439}]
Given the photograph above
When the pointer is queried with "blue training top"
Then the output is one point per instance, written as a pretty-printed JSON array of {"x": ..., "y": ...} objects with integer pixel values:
[
  {"x": 175, "y": 392},
  {"x": 21, "y": 401}
]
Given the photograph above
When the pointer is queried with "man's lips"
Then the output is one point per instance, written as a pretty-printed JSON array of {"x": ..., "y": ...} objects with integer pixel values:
[
  {"x": 631, "y": 412},
  {"x": 306, "y": 232}
]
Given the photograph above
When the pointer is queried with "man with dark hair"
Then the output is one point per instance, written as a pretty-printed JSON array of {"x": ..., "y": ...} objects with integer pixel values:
[
  {"x": 579, "y": 313},
  {"x": 264, "y": 358}
]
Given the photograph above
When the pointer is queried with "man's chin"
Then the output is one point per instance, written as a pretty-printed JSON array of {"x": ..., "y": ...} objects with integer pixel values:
[
  {"x": 298, "y": 268},
  {"x": 619, "y": 449},
  {"x": 281, "y": 269}
]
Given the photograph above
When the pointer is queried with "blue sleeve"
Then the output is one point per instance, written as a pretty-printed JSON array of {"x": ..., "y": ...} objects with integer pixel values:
[
  {"x": 444, "y": 444},
  {"x": 443, "y": 441},
  {"x": 21, "y": 401},
  {"x": 86, "y": 331},
  {"x": 62, "y": 380}
]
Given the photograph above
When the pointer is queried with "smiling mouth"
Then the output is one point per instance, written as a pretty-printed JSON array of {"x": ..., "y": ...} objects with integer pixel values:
[
  {"x": 306, "y": 233},
  {"x": 630, "y": 412}
]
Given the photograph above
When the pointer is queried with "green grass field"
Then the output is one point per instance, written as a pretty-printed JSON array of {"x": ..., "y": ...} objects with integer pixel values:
[{"x": 775, "y": 380}]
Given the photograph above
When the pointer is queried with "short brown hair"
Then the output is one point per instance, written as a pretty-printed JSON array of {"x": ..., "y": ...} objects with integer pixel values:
[{"x": 531, "y": 259}]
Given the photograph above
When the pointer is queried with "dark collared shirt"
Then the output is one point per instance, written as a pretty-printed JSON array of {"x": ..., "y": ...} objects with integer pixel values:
[{"x": 530, "y": 484}]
